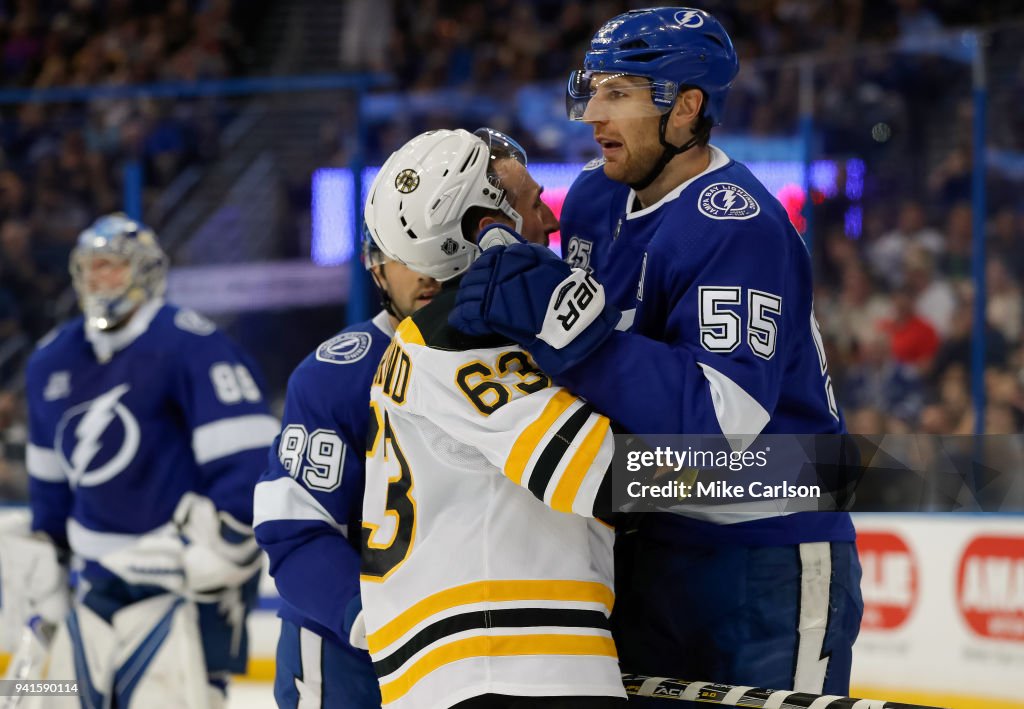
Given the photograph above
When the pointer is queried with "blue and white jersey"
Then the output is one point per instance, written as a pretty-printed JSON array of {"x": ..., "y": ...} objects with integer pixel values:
[
  {"x": 592, "y": 237},
  {"x": 717, "y": 284},
  {"x": 308, "y": 504},
  {"x": 116, "y": 440}
]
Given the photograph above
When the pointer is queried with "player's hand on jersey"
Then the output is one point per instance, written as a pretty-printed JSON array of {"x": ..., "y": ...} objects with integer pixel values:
[{"x": 526, "y": 293}]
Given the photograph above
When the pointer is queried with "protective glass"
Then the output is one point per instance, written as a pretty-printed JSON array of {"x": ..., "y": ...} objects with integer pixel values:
[{"x": 602, "y": 96}]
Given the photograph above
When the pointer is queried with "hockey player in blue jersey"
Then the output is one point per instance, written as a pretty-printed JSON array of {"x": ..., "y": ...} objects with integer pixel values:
[
  {"x": 148, "y": 429},
  {"x": 310, "y": 498},
  {"x": 698, "y": 320},
  {"x": 308, "y": 504}
]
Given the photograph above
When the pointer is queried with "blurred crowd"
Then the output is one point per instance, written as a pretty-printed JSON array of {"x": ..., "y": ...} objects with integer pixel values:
[
  {"x": 891, "y": 87},
  {"x": 61, "y": 163},
  {"x": 896, "y": 310},
  {"x": 482, "y": 55}
]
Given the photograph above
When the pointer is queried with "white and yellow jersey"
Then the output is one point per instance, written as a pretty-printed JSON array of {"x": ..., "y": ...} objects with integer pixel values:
[{"x": 483, "y": 569}]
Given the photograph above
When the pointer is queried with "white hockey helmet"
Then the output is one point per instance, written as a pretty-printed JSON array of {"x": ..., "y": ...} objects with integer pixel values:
[
  {"x": 119, "y": 236},
  {"x": 416, "y": 203}
]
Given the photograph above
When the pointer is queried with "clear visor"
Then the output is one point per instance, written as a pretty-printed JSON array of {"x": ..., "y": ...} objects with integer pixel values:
[
  {"x": 503, "y": 147},
  {"x": 600, "y": 96},
  {"x": 371, "y": 254}
]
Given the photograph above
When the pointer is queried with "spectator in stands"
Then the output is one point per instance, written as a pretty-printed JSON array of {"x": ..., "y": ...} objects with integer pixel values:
[
  {"x": 956, "y": 349},
  {"x": 950, "y": 181},
  {"x": 1004, "y": 306},
  {"x": 887, "y": 254},
  {"x": 878, "y": 381},
  {"x": 1006, "y": 237},
  {"x": 956, "y": 261},
  {"x": 860, "y": 311},
  {"x": 913, "y": 340},
  {"x": 954, "y": 395},
  {"x": 934, "y": 298},
  {"x": 14, "y": 200},
  {"x": 13, "y": 436}
]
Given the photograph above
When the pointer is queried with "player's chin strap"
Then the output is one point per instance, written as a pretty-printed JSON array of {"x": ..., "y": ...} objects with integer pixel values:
[
  {"x": 385, "y": 297},
  {"x": 669, "y": 151},
  {"x": 382, "y": 293}
]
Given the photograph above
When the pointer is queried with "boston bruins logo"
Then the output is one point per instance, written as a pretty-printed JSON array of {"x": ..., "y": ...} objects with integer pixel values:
[{"x": 407, "y": 181}]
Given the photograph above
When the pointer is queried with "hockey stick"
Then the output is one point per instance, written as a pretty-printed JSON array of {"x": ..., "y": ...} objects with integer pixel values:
[
  {"x": 728, "y": 695},
  {"x": 29, "y": 658}
]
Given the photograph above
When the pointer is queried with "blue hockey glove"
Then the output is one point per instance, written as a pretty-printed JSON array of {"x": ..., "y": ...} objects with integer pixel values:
[
  {"x": 529, "y": 295},
  {"x": 473, "y": 287}
]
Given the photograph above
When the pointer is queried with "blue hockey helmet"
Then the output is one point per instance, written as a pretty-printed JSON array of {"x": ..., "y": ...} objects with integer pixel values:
[
  {"x": 673, "y": 47},
  {"x": 122, "y": 239}
]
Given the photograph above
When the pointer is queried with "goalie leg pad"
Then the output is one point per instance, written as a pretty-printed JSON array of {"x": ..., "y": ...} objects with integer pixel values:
[
  {"x": 92, "y": 647},
  {"x": 150, "y": 655},
  {"x": 159, "y": 661}
]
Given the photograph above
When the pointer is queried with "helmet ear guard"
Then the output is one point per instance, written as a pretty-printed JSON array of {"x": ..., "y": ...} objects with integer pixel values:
[{"x": 121, "y": 237}]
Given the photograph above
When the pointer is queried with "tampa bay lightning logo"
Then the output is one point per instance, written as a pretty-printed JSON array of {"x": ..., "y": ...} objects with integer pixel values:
[
  {"x": 344, "y": 348},
  {"x": 689, "y": 18},
  {"x": 98, "y": 439},
  {"x": 724, "y": 200}
]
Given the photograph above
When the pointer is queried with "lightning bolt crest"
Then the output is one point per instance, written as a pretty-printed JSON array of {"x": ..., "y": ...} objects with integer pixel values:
[
  {"x": 730, "y": 198},
  {"x": 93, "y": 424}
]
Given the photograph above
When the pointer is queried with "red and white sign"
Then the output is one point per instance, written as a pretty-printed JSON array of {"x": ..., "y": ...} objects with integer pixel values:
[
  {"x": 890, "y": 582},
  {"x": 990, "y": 587}
]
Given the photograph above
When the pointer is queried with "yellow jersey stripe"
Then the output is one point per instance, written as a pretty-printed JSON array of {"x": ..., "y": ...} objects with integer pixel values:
[
  {"x": 410, "y": 333},
  {"x": 495, "y": 591},
  {"x": 495, "y": 646},
  {"x": 531, "y": 436},
  {"x": 572, "y": 477}
]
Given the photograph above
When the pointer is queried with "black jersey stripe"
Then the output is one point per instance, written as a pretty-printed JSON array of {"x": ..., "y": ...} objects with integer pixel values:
[
  {"x": 500, "y": 618},
  {"x": 552, "y": 454}
]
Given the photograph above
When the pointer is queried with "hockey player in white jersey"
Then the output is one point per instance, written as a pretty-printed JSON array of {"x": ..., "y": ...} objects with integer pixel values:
[
  {"x": 148, "y": 429},
  {"x": 308, "y": 504},
  {"x": 486, "y": 578}
]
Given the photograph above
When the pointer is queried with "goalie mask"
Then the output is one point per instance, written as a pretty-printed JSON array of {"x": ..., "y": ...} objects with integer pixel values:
[
  {"x": 116, "y": 266},
  {"x": 416, "y": 204}
]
